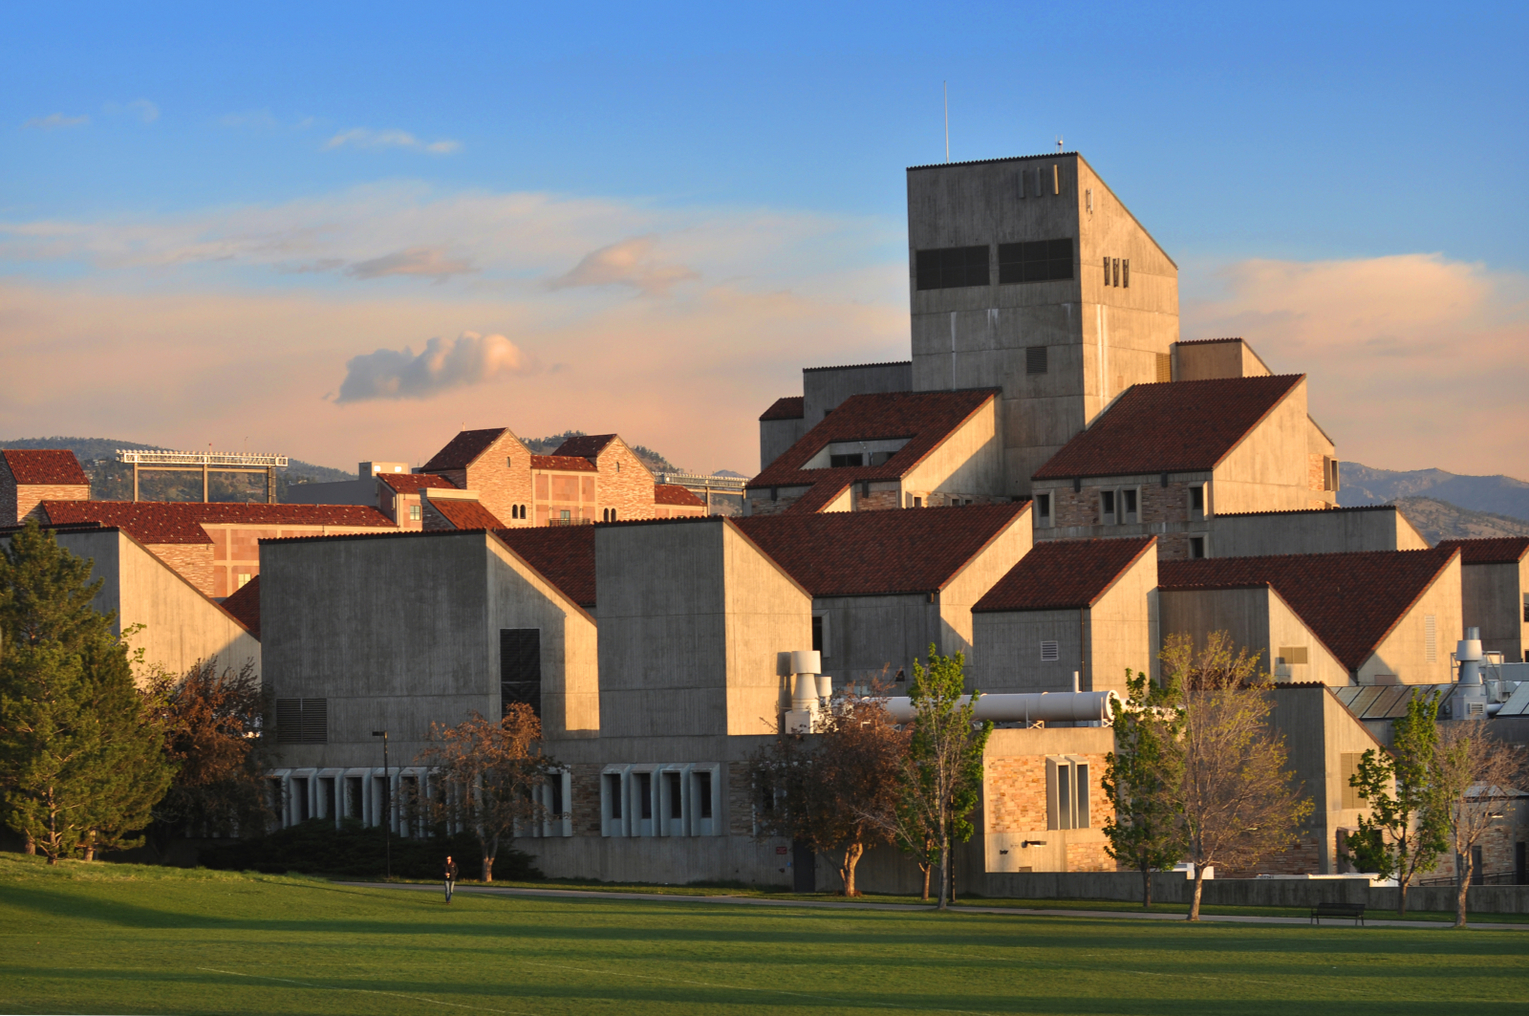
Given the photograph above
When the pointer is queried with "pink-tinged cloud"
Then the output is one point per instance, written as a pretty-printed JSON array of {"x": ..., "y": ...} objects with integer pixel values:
[
  {"x": 440, "y": 367},
  {"x": 1414, "y": 360},
  {"x": 628, "y": 263}
]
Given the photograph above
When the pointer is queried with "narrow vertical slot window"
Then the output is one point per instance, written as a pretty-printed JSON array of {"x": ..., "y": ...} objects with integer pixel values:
[
  {"x": 1043, "y": 508},
  {"x": 1125, "y": 273}
]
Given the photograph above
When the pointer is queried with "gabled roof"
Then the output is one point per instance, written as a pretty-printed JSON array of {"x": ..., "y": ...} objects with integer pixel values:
[
  {"x": 461, "y": 450},
  {"x": 586, "y": 446},
  {"x": 412, "y": 483},
  {"x": 820, "y": 495},
  {"x": 563, "y": 463},
  {"x": 1175, "y": 426},
  {"x": 565, "y": 556},
  {"x": 879, "y": 553},
  {"x": 925, "y": 419},
  {"x": 1492, "y": 550},
  {"x": 244, "y": 604},
  {"x": 157, "y": 522},
  {"x": 32, "y": 466},
  {"x": 673, "y": 493},
  {"x": 1350, "y": 601},
  {"x": 1064, "y": 574},
  {"x": 466, "y": 514},
  {"x": 788, "y": 408}
]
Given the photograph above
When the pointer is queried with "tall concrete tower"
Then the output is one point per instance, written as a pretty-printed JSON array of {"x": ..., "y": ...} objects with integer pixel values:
[{"x": 1030, "y": 275}]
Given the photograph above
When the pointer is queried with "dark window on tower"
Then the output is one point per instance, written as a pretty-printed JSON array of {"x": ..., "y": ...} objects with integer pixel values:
[
  {"x": 615, "y": 794},
  {"x": 1196, "y": 547},
  {"x": 840, "y": 461},
  {"x": 1043, "y": 507},
  {"x": 817, "y": 632},
  {"x": 1035, "y": 261},
  {"x": 676, "y": 792},
  {"x": 645, "y": 795},
  {"x": 520, "y": 667},
  {"x": 302, "y": 720},
  {"x": 703, "y": 791},
  {"x": 951, "y": 267},
  {"x": 1035, "y": 359}
]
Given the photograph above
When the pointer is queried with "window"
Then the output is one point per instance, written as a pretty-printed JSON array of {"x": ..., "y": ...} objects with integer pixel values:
[
  {"x": 520, "y": 668},
  {"x": 1164, "y": 367},
  {"x": 820, "y": 633},
  {"x": 1293, "y": 655},
  {"x": 241, "y": 580},
  {"x": 1197, "y": 501},
  {"x": 509, "y": 462},
  {"x": 918, "y": 502},
  {"x": 842, "y": 461},
  {"x": 1088, "y": 199},
  {"x": 1035, "y": 359},
  {"x": 618, "y": 465},
  {"x": 1431, "y": 638},
  {"x": 613, "y": 792},
  {"x": 1106, "y": 271},
  {"x": 1051, "y": 652},
  {"x": 703, "y": 794},
  {"x": 1196, "y": 547},
  {"x": 1125, "y": 273},
  {"x": 1107, "y": 507},
  {"x": 564, "y": 515},
  {"x": 1348, "y": 767},
  {"x": 1128, "y": 499},
  {"x": 1067, "y": 792},
  {"x": 1043, "y": 508},
  {"x": 676, "y": 795},
  {"x": 415, "y": 512},
  {"x": 952, "y": 267},
  {"x": 645, "y": 795},
  {"x": 1035, "y": 261},
  {"x": 302, "y": 720},
  {"x": 1526, "y": 607}
]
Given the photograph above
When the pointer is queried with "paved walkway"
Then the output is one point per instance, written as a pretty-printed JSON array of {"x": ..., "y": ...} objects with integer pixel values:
[{"x": 963, "y": 908}]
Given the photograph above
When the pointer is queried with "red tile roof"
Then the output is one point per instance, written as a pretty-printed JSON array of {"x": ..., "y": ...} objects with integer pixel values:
[
  {"x": 879, "y": 553},
  {"x": 565, "y": 556},
  {"x": 926, "y": 419},
  {"x": 1312, "y": 511},
  {"x": 467, "y": 514},
  {"x": 788, "y": 408},
  {"x": 412, "y": 483},
  {"x": 587, "y": 446},
  {"x": 673, "y": 493},
  {"x": 461, "y": 450},
  {"x": 1178, "y": 426},
  {"x": 1064, "y": 574},
  {"x": 821, "y": 494},
  {"x": 244, "y": 604},
  {"x": 1349, "y": 601},
  {"x": 563, "y": 463},
  {"x": 154, "y": 522},
  {"x": 54, "y": 467},
  {"x": 1492, "y": 550}
]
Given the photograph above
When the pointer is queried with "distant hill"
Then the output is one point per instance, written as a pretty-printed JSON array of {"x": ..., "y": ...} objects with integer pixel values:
[
  {"x": 1440, "y": 520},
  {"x": 110, "y": 480},
  {"x": 1498, "y": 495}
]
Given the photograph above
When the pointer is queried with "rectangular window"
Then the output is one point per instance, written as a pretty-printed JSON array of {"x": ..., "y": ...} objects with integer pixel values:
[
  {"x": 414, "y": 513},
  {"x": 1067, "y": 793},
  {"x": 1294, "y": 655},
  {"x": 676, "y": 795},
  {"x": 1035, "y": 261},
  {"x": 1164, "y": 368},
  {"x": 302, "y": 720},
  {"x": 613, "y": 793},
  {"x": 817, "y": 632},
  {"x": 1106, "y": 271},
  {"x": 1107, "y": 507},
  {"x": 1050, "y": 652},
  {"x": 1116, "y": 283},
  {"x": 1431, "y": 638},
  {"x": 952, "y": 267},
  {"x": 1196, "y": 547},
  {"x": 1043, "y": 510},
  {"x": 1197, "y": 501},
  {"x": 1035, "y": 359},
  {"x": 1125, "y": 273},
  {"x": 520, "y": 668},
  {"x": 645, "y": 795},
  {"x": 1128, "y": 498},
  {"x": 841, "y": 461},
  {"x": 703, "y": 794},
  {"x": 1348, "y": 767}
]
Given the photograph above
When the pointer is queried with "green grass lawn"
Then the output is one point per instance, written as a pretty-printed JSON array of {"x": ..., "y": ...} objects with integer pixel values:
[{"x": 120, "y": 938}]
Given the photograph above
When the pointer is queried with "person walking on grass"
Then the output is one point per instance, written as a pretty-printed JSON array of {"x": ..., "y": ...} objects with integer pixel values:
[{"x": 451, "y": 876}]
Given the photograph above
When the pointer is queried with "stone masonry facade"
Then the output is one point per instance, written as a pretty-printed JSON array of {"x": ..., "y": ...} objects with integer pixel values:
[
  {"x": 502, "y": 477},
  {"x": 1015, "y": 801},
  {"x": 19, "y": 502}
]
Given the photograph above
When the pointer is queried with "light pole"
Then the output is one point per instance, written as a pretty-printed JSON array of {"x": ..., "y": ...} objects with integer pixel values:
[{"x": 387, "y": 796}]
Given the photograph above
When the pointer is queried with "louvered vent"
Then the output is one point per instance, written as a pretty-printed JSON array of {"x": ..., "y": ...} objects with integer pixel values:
[
  {"x": 302, "y": 720},
  {"x": 1050, "y": 652}
]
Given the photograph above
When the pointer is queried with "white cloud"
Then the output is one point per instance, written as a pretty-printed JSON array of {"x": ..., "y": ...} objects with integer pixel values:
[
  {"x": 56, "y": 121},
  {"x": 430, "y": 262},
  {"x": 362, "y": 137},
  {"x": 628, "y": 263},
  {"x": 441, "y": 366}
]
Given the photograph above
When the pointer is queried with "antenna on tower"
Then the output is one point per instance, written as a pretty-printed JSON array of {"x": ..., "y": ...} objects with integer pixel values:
[
  {"x": 946, "y": 86},
  {"x": 1059, "y": 142}
]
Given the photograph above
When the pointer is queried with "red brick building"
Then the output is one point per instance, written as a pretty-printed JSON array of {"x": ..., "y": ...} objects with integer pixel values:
[{"x": 28, "y": 477}]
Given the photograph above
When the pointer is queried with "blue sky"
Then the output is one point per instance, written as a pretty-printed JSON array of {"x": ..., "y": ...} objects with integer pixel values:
[{"x": 368, "y": 177}]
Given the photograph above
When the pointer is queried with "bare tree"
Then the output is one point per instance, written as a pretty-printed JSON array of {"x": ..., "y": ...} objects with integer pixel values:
[
  {"x": 1237, "y": 799},
  {"x": 1475, "y": 773},
  {"x": 487, "y": 776}
]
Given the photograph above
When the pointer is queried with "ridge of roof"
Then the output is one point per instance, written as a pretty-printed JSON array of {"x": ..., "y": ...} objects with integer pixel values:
[
  {"x": 1207, "y": 342},
  {"x": 586, "y": 446},
  {"x": 1064, "y": 574},
  {"x": 160, "y": 522},
  {"x": 1350, "y": 600},
  {"x": 563, "y": 463},
  {"x": 1170, "y": 427},
  {"x": 1387, "y": 507},
  {"x": 466, "y": 514},
  {"x": 787, "y": 407},
  {"x": 1490, "y": 549},
  {"x": 854, "y": 366},
  {"x": 925, "y": 419},
  {"x": 983, "y": 162},
  {"x": 879, "y": 553},
  {"x": 409, "y": 483},
  {"x": 462, "y": 450},
  {"x": 44, "y": 467}
]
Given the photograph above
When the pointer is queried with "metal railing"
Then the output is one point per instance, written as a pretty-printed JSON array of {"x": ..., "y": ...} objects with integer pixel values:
[{"x": 248, "y": 460}]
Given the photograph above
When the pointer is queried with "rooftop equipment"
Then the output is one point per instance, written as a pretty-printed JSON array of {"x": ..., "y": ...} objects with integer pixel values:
[{"x": 1027, "y": 707}]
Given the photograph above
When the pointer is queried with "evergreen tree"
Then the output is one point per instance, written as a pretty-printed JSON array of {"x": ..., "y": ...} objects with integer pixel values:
[{"x": 1142, "y": 776}]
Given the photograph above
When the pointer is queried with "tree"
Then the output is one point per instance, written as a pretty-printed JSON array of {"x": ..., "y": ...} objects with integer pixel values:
[
  {"x": 1142, "y": 776},
  {"x": 1236, "y": 795},
  {"x": 1475, "y": 774},
  {"x": 942, "y": 770},
  {"x": 213, "y": 723},
  {"x": 81, "y": 760},
  {"x": 1408, "y": 825},
  {"x": 487, "y": 776},
  {"x": 837, "y": 788}
]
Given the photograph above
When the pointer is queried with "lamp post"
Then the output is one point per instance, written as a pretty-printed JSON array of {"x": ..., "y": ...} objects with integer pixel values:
[{"x": 387, "y": 814}]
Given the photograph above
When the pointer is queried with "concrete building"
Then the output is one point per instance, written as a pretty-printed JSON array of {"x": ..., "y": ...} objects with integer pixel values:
[
  {"x": 363, "y": 490},
  {"x": 887, "y": 585},
  {"x": 891, "y": 450},
  {"x": 1494, "y": 585},
  {"x": 29, "y": 477},
  {"x": 823, "y": 389},
  {"x": 1377, "y": 617},
  {"x": 1166, "y": 458},
  {"x": 1311, "y": 531},
  {"x": 181, "y": 624},
  {"x": 1069, "y": 607},
  {"x": 1209, "y": 359}
]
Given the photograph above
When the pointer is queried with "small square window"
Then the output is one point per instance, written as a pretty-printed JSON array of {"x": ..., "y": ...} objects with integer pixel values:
[
  {"x": 1196, "y": 547},
  {"x": 415, "y": 512}
]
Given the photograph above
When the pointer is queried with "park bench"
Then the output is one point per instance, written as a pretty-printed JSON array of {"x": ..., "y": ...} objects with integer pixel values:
[{"x": 1351, "y": 910}]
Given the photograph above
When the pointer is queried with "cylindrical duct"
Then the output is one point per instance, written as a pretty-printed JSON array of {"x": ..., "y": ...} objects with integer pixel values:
[
  {"x": 806, "y": 661},
  {"x": 1056, "y": 707},
  {"x": 825, "y": 686}
]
